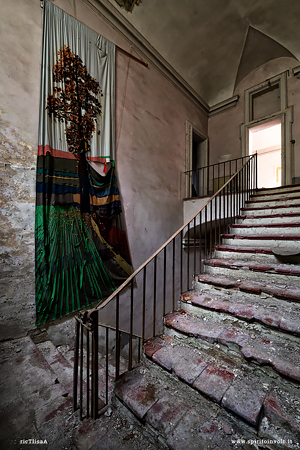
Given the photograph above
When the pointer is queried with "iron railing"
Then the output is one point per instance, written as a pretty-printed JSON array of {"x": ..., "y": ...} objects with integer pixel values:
[
  {"x": 135, "y": 311},
  {"x": 206, "y": 181}
]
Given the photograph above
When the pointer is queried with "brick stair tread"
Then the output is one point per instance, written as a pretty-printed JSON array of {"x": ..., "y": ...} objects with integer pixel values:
[
  {"x": 239, "y": 249},
  {"x": 277, "y": 315},
  {"x": 239, "y": 389},
  {"x": 280, "y": 352},
  {"x": 279, "y": 269},
  {"x": 183, "y": 423},
  {"x": 261, "y": 237},
  {"x": 254, "y": 287}
]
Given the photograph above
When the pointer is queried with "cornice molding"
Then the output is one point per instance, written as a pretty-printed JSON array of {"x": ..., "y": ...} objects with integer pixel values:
[
  {"x": 222, "y": 106},
  {"x": 118, "y": 22}
]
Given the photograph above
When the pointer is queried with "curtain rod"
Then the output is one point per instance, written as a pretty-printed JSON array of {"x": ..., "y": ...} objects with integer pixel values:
[{"x": 131, "y": 56}]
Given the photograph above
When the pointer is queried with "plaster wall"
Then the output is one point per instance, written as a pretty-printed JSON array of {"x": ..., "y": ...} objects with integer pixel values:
[
  {"x": 224, "y": 128},
  {"x": 150, "y": 155}
]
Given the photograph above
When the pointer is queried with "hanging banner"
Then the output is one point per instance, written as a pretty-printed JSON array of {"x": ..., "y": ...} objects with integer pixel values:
[{"x": 81, "y": 247}]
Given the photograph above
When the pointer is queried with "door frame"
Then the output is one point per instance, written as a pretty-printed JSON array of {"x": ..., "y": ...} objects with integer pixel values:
[{"x": 286, "y": 118}]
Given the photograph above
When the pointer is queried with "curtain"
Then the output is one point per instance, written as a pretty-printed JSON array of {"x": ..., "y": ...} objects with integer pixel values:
[{"x": 82, "y": 252}]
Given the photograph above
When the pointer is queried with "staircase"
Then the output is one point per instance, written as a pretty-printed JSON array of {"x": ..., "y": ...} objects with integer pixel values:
[{"x": 225, "y": 374}]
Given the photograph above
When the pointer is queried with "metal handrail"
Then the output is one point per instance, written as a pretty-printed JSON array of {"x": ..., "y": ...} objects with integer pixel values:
[
  {"x": 151, "y": 258},
  {"x": 214, "y": 217},
  {"x": 218, "y": 164}
]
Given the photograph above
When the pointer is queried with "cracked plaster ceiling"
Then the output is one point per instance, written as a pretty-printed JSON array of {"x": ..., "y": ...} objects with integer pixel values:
[{"x": 213, "y": 44}]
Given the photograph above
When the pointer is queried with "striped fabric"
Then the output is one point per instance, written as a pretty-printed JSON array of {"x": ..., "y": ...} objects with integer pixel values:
[{"x": 82, "y": 252}]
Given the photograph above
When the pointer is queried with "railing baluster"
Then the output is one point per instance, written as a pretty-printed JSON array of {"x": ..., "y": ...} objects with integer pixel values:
[
  {"x": 87, "y": 374},
  {"x": 181, "y": 245},
  {"x": 210, "y": 231},
  {"x": 117, "y": 337},
  {"x": 200, "y": 240},
  {"x": 165, "y": 281},
  {"x": 188, "y": 259},
  {"x": 195, "y": 246},
  {"x": 173, "y": 276},
  {"x": 106, "y": 366},
  {"x": 154, "y": 296},
  {"x": 95, "y": 366},
  {"x": 131, "y": 327},
  {"x": 81, "y": 373},
  {"x": 75, "y": 371},
  {"x": 144, "y": 303}
]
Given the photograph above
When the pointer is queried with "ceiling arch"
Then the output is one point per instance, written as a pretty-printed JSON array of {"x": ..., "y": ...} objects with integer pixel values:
[{"x": 258, "y": 50}]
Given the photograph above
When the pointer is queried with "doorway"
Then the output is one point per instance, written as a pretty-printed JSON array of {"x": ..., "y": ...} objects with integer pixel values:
[
  {"x": 196, "y": 158},
  {"x": 198, "y": 161},
  {"x": 265, "y": 140}
]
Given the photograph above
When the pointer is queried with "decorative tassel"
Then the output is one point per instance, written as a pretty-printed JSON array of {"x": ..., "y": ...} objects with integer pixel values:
[{"x": 105, "y": 167}]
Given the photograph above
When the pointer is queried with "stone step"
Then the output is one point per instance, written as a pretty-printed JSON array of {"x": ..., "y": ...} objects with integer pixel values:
[
  {"x": 257, "y": 254},
  {"x": 287, "y": 191},
  {"x": 277, "y": 290},
  {"x": 285, "y": 242},
  {"x": 274, "y": 202},
  {"x": 281, "y": 315},
  {"x": 271, "y": 210},
  {"x": 59, "y": 364},
  {"x": 255, "y": 343},
  {"x": 269, "y": 218},
  {"x": 68, "y": 353},
  {"x": 180, "y": 418},
  {"x": 288, "y": 187},
  {"x": 265, "y": 229},
  {"x": 232, "y": 384},
  {"x": 252, "y": 270}
]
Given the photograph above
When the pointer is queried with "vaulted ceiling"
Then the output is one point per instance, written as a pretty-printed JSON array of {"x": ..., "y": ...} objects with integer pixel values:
[{"x": 214, "y": 44}]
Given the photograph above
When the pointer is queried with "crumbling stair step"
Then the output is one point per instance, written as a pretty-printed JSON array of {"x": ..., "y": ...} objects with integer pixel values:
[
  {"x": 270, "y": 225},
  {"x": 253, "y": 287},
  {"x": 60, "y": 366},
  {"x": 183, "y": 422},
  {"x": 256, "y": 271},
  {"x": 278, "y": 199},
  {"x": 238, "y": 249},
  {"x": 264, "y": 237},
  {"x": 281, "y": 315},
  {"x": 238, "y": 389},
  {"x": 283, "y": 217},
  {"x": 293, "y": 189},
  {"x": 279, "y": 269},
  {"x": 282, "y": 353},
  {"x": 292, "y": 206}
]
